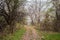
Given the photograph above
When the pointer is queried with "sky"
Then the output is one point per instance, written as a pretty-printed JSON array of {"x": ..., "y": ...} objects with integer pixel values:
[
  {"x": 44, "y": 0},
  {"x": 41, "y": 0}
]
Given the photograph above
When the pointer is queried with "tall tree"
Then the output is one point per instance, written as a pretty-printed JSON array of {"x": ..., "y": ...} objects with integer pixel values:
[
  {"x": 12, "y": 6},
  {"x": 56, "y": 3},
  {"x": 8, "y": 9}
]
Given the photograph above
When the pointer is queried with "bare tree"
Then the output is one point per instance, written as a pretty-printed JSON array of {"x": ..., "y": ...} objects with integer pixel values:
[
  {"x": 8, "y": 9},
  {"x": 56, "y": 3},
  {"x": 33, "y": 10}
]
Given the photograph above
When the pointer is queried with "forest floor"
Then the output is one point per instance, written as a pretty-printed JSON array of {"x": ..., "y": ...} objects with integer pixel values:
[
  {"x": 34, "y": 34},
  {"x": 31, "y": 34}
]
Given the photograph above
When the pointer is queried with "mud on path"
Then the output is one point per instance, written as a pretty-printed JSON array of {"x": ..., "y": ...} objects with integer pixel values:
[{"x": 31, "y": 34}]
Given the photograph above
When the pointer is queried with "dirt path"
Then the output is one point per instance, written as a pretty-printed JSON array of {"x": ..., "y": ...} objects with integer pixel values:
[{"x": 31, "y": 34}]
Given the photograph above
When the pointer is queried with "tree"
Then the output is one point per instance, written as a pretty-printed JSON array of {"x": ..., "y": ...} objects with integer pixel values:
[
  {"x": 56, "y": 3},
  {"x": 33, "y": 10},
  {"x": 12, "y": 6},
  {"x": 9, "y": 9}
]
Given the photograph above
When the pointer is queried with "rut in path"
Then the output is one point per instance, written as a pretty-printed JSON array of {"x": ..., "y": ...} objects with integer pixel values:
[{"x": 31, "y": 34}]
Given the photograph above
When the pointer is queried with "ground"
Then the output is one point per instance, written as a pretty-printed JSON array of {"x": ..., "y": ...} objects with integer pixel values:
[
  {"x": 34, "y": 34},
  {"x": 31, "y": 34}
]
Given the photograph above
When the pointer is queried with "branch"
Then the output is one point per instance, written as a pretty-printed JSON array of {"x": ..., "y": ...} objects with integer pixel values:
[{"x": 7, "y": 3}]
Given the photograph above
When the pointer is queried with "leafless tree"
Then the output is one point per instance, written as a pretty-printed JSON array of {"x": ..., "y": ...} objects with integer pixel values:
[
  {"x": 9, "y": 9},
  {"x": 56, "y": 3}
]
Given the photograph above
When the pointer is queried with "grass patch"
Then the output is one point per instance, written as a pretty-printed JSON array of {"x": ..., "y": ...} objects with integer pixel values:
[
  {"x": 52, "y": 36},
  {"x": 49, "y": 35},
  {"x": 16, "y": 36}
]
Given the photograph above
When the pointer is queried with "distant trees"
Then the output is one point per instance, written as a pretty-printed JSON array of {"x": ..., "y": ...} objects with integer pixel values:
[{"x": 33, "y": 10}]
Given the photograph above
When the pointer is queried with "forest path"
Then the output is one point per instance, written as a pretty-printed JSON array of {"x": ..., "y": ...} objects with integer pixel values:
[{"x": 31, "y": 34}]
